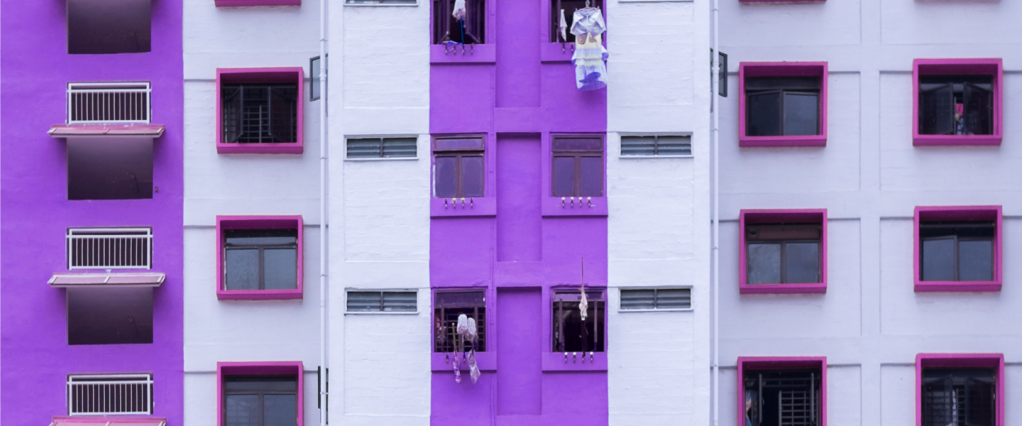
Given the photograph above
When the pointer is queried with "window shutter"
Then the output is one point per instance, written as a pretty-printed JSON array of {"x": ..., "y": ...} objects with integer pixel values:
[
  {"x": 937, "y": 108},
  {"x": 364, "y": 301},
  {"x": 231, "y": 114},
  {"x": 978, "y": 106},
  {"x": 399, "y": 301},
  {"x": 638, "y": 299},
  {"x": 381, "y": 148},
  {"x": 382, "y": 301},
  {"x": 399, "y": 147}
]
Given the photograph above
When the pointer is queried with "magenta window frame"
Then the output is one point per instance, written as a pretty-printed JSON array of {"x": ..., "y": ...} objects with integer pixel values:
[
  {"x": 484, "y": 206},
  {"x": 260, "y": 75},
  {"x": 926, "y": 360},
  {"x": 258, "y": 369},
  {"x": 440, "y": 362},
  {"x": 782, "y": 69},
  {"x": 755, "y": 217},
  {"x": 992, "y": 66},
  {"x": 244, "y": 3},
  {"x": 782, "y": 363},
  {"x": 256, "y": 222},
  {"x": 964, "y": 214},
  {"x": 551, "y": 206}
]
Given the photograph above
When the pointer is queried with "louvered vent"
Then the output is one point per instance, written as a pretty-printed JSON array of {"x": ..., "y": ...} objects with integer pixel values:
[
  {"x": 656, "y": 145},
  {"x": 382, "y": 301},
  {"x": 382, "y": 148},
  {"x": 660, "y": 298}
]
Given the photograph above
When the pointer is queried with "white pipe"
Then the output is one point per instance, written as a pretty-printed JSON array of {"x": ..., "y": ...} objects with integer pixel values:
[
  {"x": 322, "y": 213},
  {"x": 715, "y": 141}
]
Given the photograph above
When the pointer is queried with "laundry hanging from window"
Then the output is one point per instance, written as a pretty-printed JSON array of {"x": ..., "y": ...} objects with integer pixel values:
[{"x": 590, "y": 55}]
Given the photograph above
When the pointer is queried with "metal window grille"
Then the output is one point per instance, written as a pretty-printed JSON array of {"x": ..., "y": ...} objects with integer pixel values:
[
  {"x": 470, "y": 30},
  {"x": 130, "y": 394},
  {"x": 108, "y": 103},
  {"x": 382, "y": 301},
  {"x": 658, "y": 298},
  {"x": 783, "y": 397},
  {"x": 381, "y": 148},
  {"x": 109, "y": 248},
  {"x": 795, "y": 408},
  {"x": 448, "y": 306},
  {"x": 260, "y": 113},
  {"x": 656, "y": 145}
]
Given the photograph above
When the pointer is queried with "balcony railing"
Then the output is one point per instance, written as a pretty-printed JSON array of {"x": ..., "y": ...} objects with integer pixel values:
[
  {"x": 108, "y": 103},
  {"x": 104, "y": 394},
  {"x": 109, "y": 248}
]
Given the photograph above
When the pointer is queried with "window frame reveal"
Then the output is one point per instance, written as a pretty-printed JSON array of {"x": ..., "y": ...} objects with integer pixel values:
[
  {"x": 225, "y": 224},
  {"x": 959, "y": 367},
  {"x": 260, "y": 78},
  {"x": 254, "y": 370},
  {"x": 778, "y": 366},
  {"x": 952, "y": 217},
  {"x": 782, "y": 70},
  {"x": 788, "y": 227}
]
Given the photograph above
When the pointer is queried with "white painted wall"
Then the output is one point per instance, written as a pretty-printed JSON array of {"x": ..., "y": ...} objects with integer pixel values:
[
  {"x": 658, "y": 223},
  {"x": 871, "y": 324}
]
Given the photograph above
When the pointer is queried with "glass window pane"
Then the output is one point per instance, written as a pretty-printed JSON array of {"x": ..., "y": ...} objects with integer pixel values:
[
  {"x": 564, "y": 176},
  {"x": 801, "y": 113},
  {"x": 976, "y": 260},
  {"x": 763, "y": 114},
  {"x": 802, "y": 262},
  {"x": 472, "y": 176},
  {"x": 242, "y": 267},
  {"x": 764, "y": 263},
  {"x": 281, "y": 267},
  {"x": 592, "y": 177},
  {"x": 314, "y": 71},
  {"x": 938, "y": 259},
  {"x": 280, "y": 410},
  {"x": 241, "y": 410},
  {"x": 936, "y": 110},
  {"x": 445, "y": 178}
]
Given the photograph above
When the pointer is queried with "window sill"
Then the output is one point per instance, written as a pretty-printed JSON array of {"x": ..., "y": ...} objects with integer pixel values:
[
  {"x": 381, "y": 313},
  {"x": 809, "y": 288},
  {"x": 569, "y": 361},
  {"x": 441, "y": 362},
  {"x": 957, "y": 286},
  {"x": 259, "y": 294},
  {"x": 645, "y": 311},
  {"x": 259, "y": 148},
  {"x": 444, "y": 207},
  {"x": 463, "y": 54},
  {"x": 782, "y": 141},
  {"x": 243, "y": 3},
  {"x": 956, "y": 140},
  {"x": 569, "y": 206},
  {"x": 653, "y": 157},
  {"x": 556, "y": 52}
]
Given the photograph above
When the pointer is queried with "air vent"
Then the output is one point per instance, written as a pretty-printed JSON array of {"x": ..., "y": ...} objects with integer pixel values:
[
  {"x": 660, "y": 298},
  {"x": 638, "y": 146},
  {"x": 364, "y": 148},
  {"x": 382, "y": 301}
]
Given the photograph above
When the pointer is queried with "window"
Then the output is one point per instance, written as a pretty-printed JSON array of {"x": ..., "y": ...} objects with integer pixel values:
[
  {"x": 260, "y": 110},
  {"x": 656, "y": 145},
  {"x": 572, "y": 333},
  {"x": 568, "y": 8},
  {"x": 260, "y": 394},
  {"x": 957, "y": 102},
  {"x": 656, "y": 299},
  {"x": 109, "y": 248},
  {"x": 315, "y": 85},
  {"x": 783, "y": 104},
  {"x": 382, "y": 301},
  {"x": 577, "y": 166},
  {"x": 109, "y": 315},
  {"x": 471, "y": 29},
  {"x": 458, "y": 167},
  {"x": 783, "y": 397},
  {"x": 109, "y": 394},
  {"x": 109, "y": 168},
  {"x": 783, "y": 251},
  {"x": 375, "y": 148},
  {"x": 960, "y": 389},
  {"x": 260, "y": 257},
  {"x": 958, "y": 248},
  {"x": 448, "y": 305},
  {"x": 105, "y": 26}
]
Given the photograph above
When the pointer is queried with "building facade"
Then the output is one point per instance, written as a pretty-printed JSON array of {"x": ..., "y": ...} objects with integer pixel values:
[
  {"x": 888, "y": 195},
  {"x": 92, "y": 190}
]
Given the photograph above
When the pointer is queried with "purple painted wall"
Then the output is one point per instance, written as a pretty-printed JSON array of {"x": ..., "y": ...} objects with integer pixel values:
[
  {"x": 36, "y": 212},
  {"x": 519, "y": 255}
]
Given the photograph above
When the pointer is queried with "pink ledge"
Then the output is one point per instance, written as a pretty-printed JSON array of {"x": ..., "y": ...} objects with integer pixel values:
[
  {"x": 463, "y": 54},
  {"x": 780, "y": 217},
  {"x": 958, "y": 213},
  {"x": 256, "y": 222},
  {"x": 260, "y": 75},
  {"x": 781, "y": 363},
  {"x": 458, "y": 207},
  {"x": 581, "y": 361},
  {"x": 441, "y": 362},
  {"x": 960, "y": 361},
  {"x": 992, "y": 67},
  {"x": 782, "y": 69},
  {"x": 242, "y": 3},
  {"x": 259, "y": 369}
]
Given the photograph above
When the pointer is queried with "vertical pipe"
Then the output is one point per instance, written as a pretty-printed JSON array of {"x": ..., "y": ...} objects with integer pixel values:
[
  {"x": 323, "y": 98},
  {"x": 715, "y": 141}
]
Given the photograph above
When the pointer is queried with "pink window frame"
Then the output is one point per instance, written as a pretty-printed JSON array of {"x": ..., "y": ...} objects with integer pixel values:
[
  {"x": 782, "y": 69},
  {"x": 260, "y": 75},
  {"x": 557, "y": 361},
  {"x": 965, "y": 214},
  {"x": 752, "y": 217},
  {"x": 258, "y": 369},
  {"x": 256, "y": 222},
  {"x": 993, "y": 67},
  {"x": 486, "y": 360},
  {"x": 551, "y": 206},
  {"x": 960, "y": 361},
  {"x": 243, "y": 3},
  {"x": 782, "y": 363},
  {"x": 484, "y": 206}
]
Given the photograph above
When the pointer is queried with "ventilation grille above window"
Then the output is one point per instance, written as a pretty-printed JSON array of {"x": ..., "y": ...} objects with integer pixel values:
[
  {"x": 656, "y": 145},
  {"x": 660, "y": 298},
  {"x": 382, "y": 301},
  {"x": 382, "y": 148},
  {"x": 129, "y": 394}
]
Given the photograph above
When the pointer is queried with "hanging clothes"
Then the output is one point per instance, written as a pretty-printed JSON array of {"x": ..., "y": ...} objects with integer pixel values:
[
  {"x": 459, "y": 10},
  {"x": 590, "y": 70},
  {"x": 562, "y": 27}
]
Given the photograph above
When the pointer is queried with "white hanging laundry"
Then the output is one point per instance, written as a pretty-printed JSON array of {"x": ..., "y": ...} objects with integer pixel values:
[
  {"x": 472, "y": 333},
  {"x": 459, "y": 9},
  {"x": 563, "y": 27},
  {"x": 583, "y": 306},
  {"x": 462, "y": 325},
  {"x": 590, "y": 70}
]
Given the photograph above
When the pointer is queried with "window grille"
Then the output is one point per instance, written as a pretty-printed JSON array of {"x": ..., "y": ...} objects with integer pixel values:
[
  {"x": 959, "y": 397},
  {"x": 956, "y": 105},
  {"x": 382, "y": 301},
  {"x": 109, "y": 248},
  {"x": 108, "y": 103},
  {"x": 659, "y": 298},
  {"x": 105, "y": 394},
  {"x": 448, "y": 306},
  {"x": 260, "y": 113},
  {"x": 570, "y": 332},
  {"x": 656, "y": 145},
  {"x": 381, "y": 148},
  {"x": 783, "y": 397},
  {"x": 446, "y": 28}
]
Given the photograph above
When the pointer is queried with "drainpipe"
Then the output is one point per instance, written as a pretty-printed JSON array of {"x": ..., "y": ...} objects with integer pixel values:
[
  {"x": 715, "y": 141},
  {"x": 322, "y": 215}
]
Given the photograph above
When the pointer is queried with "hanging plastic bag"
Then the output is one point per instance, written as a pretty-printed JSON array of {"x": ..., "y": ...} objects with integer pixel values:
[{"x": 473, "y": 368}]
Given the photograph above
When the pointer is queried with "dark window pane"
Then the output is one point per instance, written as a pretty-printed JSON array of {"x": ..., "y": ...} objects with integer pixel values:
[
  {"x": 241, "y": 410},
  {"x": 472, "y": 176},
  {"x": 978, "y": 110},
  {"x": 314, "y": 71},
  {"x": 801, "y": 113},
  {"x": 469, "y": 30},
  {"x": 280, "y": 410},
  {"x": 564, "y": 176},
  {"x": 570, "y": 333},
  {"x": 938, "y": 259},
  {"x": 108, "y": 26},
  {"x": 242, "y": 267},
  {"x": 280, "y": 268},
  {"x": 764, "y": 263},
  {"x": 592, "y": 177},
  {"x": 100, "y": 316},
  {"x": 981, "y": 400},
  {"x": 802, "y": 262},
  {"x": 937, "y": 110},
  {"x": 109, "y": 168},
  {"x": 445, "y": 179},
  {"x": 448, "y": 306},
  {"x": 763, "y": 115},
  {"x": 976, "y": 260}
]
